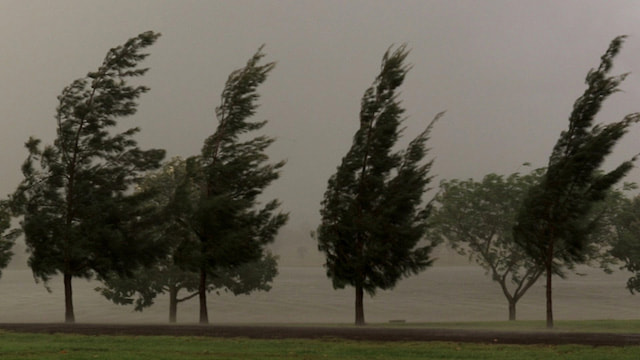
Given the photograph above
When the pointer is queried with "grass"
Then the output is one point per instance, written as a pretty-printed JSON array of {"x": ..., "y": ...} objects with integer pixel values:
[
  {"x": 594, "y": 326},
  {"x": 59, "y": 346}
]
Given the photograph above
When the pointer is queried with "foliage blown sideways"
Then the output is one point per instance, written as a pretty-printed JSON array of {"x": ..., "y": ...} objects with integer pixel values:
[
  {"x": 79, "y": 218},
  {"x": 231, "y": 227},
  {"x": 554, "y": 221},
  {"x": 171, "y": 274},
  {"x": 372, "y": 213}
]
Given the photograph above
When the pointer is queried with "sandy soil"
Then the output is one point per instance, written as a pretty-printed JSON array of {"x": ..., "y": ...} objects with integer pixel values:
[{"x": 351, "y": 333}]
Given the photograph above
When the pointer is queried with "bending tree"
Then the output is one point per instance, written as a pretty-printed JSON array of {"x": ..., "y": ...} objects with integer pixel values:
[
  {"x": 166, "y": 276},
  {"x": 477, "y": 218},
  {"x": 555, "y": 218},
  {"x": 373, "y": 217},
  {"x": 230, "y": 224},
  {"x": 79, "y": 219}
]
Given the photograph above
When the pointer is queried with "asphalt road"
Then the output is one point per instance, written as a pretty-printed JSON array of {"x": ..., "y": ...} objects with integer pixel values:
[{"x": 366, "y": 333}]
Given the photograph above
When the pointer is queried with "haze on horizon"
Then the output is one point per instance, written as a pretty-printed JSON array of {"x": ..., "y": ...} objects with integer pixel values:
[{"x": 507, "y": 73}]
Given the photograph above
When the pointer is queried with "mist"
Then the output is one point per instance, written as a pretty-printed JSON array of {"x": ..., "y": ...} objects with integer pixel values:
[{"x": 507, "y": 73}]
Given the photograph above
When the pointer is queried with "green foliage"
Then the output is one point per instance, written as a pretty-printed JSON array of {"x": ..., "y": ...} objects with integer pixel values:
[
  {"x": 7, "y": 235},
  {"x": 232, "y": 172},
  {"x": 231, "y": 226},
  {"x": 477, "y": 218},
  {"x": 169, "y": 194},
  {"x": 554, "y": 212},
  {"x": 373, "y": 218},
  {"x": 626, "y": 246},
  {"x": 79, "y": 219},
  {"x": 555, "y": 220},
  {"x": 163, "y": 276}
]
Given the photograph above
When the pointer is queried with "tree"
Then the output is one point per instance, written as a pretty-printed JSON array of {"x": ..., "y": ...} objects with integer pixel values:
[
  {"x": 145, "y": 285},
  {"x": 554, "y": 221},
  {"x": 626, "y": 246},
  {"x": 231, "y": 226},
  {"x": 477, "y": 218},
  {"x": 79, "y": 218},
  {"x": 166, "y": 276},
  {"x": 373, "y": 218}
]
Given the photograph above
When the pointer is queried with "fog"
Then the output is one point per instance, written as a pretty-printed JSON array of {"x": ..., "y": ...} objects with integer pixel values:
[{"x": 507, "y": 73}]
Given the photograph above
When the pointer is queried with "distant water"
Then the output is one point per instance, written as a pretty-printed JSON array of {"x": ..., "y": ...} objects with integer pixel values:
[{"x": 304, "y": 294}]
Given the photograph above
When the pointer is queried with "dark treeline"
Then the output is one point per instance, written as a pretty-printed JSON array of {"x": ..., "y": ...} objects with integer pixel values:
[{"x": 94, "y": 205}]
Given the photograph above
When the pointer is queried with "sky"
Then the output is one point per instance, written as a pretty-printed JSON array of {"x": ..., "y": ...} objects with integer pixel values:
[{"x": 506, "y": 71}]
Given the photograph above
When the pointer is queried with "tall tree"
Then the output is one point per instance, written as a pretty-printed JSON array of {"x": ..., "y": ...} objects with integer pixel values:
[
  {"x": 476, "y": 218},
  {"x": 231, "y": 225},
  {"x": 554, "y": 221},
  {"x": 166, "y": 276},
  {"x": 79, "y": 219},
  {"x": 373, "y": 217}
]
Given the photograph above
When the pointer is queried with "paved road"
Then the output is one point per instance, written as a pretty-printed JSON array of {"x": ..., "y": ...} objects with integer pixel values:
[{"x": 351, "y": 333}]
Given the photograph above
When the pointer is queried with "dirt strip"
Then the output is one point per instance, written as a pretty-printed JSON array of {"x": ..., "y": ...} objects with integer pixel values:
[{"x": 350, "y": 333}]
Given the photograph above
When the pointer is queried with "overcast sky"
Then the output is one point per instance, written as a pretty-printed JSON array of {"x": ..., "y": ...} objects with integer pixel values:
[{"x": 507, "y": 72}]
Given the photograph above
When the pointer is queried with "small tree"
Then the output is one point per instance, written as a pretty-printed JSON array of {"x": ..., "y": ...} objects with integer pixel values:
[
  {"x": 230, "y": 224},
  {"x": 373, "y": 218},
  {"x": 147, "y": 284},
  {"x": 79, "y": 219},
  {"x": 477, "y": 218},
  {"x": 166, "y": 276},
  {"x": 555, "y": 218},
  {"x": 626, "y": 246}
]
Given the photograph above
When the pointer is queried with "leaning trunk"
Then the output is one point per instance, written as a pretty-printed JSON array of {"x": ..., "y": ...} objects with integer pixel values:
[
  {"x": 202, "y": 288},
  {"x": 69, "y": 317},
  {"x": 173, "y": 303},
  {"x": 359, "y": 305}
]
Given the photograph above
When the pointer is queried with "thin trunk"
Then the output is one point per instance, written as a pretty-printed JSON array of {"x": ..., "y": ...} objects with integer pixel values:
[
  {"x": 173, "y": 303},
  {"x": 512, "y": 310},
  {"x": 549, "y": 301},
  {"x": 359, "y": 305},
  {"x": 69, "y": 317},
  {"x": 549, "y": 268},
  {"x": 204, "y": 316}
]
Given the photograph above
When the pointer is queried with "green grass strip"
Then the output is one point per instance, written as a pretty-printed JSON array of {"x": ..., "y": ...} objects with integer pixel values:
[{"x": 58, "y": 346}]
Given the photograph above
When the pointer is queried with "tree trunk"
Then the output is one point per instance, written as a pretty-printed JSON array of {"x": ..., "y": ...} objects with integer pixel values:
[
  {"x": 204, "y": 316},
  {"x": 173, "y": 303},
  {"x": 359, "y": 305},
  {"x": 549, "y": 302},
  {"x": 69, "y": 317},
  {"x": 549, "y": 268},
  {"x": 512, "y": 310}
]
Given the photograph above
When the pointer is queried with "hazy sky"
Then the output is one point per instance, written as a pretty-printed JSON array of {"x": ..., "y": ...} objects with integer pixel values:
[{"x": 507, "y": 72}]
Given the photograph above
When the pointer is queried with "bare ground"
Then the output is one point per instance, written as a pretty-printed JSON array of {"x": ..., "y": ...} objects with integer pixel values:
[{"x": 351, "y": 333}]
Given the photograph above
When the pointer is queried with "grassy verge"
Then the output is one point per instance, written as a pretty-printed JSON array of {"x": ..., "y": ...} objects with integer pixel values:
[
  {"x": 595, "y": 326},
  {"x": 592, "y": 326},
  {"x": 39, "y": 346}
]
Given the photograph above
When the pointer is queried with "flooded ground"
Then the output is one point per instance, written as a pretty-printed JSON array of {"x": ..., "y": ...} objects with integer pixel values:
[{"x": 304, "y": 294}]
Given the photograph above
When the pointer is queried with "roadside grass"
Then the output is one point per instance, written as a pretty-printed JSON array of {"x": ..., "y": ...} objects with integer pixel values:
[
  {"x": 59, "y": 346},
  {"x": 591, "y": 326}
]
